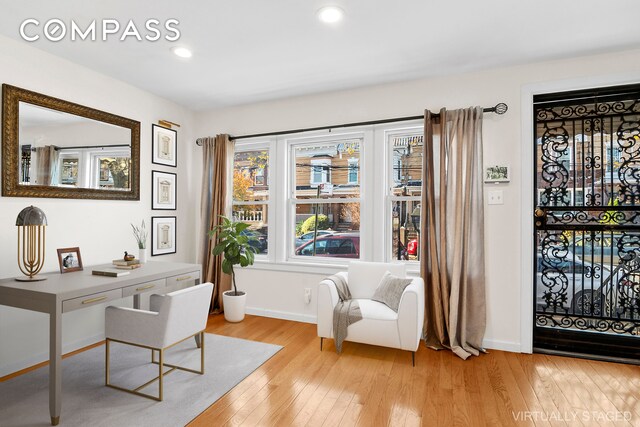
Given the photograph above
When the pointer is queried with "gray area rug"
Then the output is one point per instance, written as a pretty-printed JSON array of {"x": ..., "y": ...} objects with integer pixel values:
[{"x": 24, "y": 400}]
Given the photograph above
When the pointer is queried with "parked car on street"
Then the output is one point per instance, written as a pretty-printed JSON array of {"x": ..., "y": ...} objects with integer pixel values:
[
  {"x": 583, "y": 281},
  {"x": 306, "y": 237},
  {"x": 605, "y": 248},
  {"x": 339, "y": 245},
  {"x": 259, "y": 241}
]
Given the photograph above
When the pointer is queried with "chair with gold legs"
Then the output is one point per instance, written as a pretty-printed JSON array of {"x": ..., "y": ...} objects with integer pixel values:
[{"x": 172, "y": 318}]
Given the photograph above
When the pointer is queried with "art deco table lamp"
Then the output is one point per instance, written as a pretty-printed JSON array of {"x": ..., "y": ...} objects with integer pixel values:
[{"x": 31, "y": 224}]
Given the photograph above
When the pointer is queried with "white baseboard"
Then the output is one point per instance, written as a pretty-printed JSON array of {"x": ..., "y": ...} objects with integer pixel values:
[
  {"x": 306, "y": 318},
  {"x": 27, "y": 362},
  {"x": 513, "y": 347}
]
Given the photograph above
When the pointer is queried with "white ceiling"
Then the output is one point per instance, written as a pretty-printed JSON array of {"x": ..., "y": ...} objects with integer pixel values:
[{"x": 254, "y": 50}]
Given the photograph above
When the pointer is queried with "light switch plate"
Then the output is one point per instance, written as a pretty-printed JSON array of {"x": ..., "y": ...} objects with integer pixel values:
[{"x": 495, "y": 197}]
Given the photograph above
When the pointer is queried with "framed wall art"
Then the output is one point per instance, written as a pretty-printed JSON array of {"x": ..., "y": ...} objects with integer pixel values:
[
  {"x": 497, "y": 173},
  {"x": 163, "y": 235},
  {"x": 69, "y": 260},
  {"x": 164, "y": 145},
  {"x": 163, "y": 189}
]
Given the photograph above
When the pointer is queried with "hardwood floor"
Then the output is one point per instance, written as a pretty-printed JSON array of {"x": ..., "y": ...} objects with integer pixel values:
[{"x": 370, "y": 386}]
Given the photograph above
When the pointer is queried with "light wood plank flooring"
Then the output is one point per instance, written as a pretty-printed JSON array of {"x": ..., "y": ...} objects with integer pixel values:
[{"x": 370, "y": 386}]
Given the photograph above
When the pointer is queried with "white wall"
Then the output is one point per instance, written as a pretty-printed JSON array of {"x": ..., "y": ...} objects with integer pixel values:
[
  {"x": 100, "y": 228},
  {"x": 280, "y": 292}
]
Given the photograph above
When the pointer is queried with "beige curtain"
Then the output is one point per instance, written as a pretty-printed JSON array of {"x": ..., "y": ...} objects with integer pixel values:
[
  {"x": 453, "y": 267},
  {"x": 213, "y": 203},
  {"x": 47, "y": 165}
]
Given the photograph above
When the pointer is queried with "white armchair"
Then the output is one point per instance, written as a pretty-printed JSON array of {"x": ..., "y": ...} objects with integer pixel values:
[
  {"x": 172, "y": 318},
  {"x": 380, "y": 325}
]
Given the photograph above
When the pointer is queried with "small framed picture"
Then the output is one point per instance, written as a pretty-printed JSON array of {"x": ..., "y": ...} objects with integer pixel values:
[
  {"x": 498, "y": 173},
  {"x": 163, "y": 188},
  {"x": 164, "y": 146},
  {"x": 69, "y": 260},
  {"x": 163, "y": 235}
]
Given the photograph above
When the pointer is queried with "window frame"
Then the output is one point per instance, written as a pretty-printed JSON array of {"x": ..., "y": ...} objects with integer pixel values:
[
  {"x": 300, "y": 140},
  {"x": 390, "y": 132},
  {"x": 325, "y": 171},
  {"x": 248, "y": 146},
  {"x": 94, "y": 162}
]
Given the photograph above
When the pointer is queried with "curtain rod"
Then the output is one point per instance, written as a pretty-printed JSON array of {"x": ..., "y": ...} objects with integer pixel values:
[
  {"x": 55, "y": 147},
  {"x": 499, "y": 109}
]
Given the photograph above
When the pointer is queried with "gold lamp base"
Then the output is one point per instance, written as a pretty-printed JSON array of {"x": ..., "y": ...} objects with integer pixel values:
[{"x": 31, "y": 279}]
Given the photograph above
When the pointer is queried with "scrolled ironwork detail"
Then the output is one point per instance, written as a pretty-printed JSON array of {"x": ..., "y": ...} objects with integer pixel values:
[
  {"x": 555, "y": 143},
  {"x": 583, "y": 111}
]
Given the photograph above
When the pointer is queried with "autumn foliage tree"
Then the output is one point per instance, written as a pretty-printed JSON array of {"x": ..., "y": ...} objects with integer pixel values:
[{"x": 241, "y": 185}]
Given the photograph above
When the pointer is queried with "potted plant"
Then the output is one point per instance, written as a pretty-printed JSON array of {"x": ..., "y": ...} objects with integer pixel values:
[
  {"x": 140, "y": 233},
  {"x": 233, "y": 241}
]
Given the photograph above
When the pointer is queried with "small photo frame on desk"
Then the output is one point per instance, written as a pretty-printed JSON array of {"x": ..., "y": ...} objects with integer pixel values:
[
  {"x": 69, "y": 260},
  {"x": 164, "y": 146},
  {"x": 163, "y": 235}
]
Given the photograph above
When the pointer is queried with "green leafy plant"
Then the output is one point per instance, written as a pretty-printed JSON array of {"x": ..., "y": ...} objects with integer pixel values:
[
  {"x": 140, "y": 233},
  {"x": 309, "y": 223},
  {"x": 233, "y": 242}
]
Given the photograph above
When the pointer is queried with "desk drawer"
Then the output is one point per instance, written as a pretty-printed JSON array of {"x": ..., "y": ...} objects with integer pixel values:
[
  {"x": 89, "y": 300},
  {"x": 182, "y": 281},
  {"x": 155, "y": 285}
]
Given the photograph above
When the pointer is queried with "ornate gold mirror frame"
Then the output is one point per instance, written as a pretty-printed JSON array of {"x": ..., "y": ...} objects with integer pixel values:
[{"x": 11, "y": 98}]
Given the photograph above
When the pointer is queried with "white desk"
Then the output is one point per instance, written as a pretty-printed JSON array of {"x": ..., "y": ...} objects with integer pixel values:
[{"x": 62, "y": 293}]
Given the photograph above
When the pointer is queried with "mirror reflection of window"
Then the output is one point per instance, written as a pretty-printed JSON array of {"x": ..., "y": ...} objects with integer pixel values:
[
  {"x": 25, "y": 163},
  {"x": 69, "y": 171},
  {"x": 113, "y": 172},
  {"x": 63, "y": 149}
]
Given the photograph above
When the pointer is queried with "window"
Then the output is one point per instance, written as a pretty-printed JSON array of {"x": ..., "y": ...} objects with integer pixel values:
[
  {"x": 320, "y": 171},
  {"x": 325, "y": 189},
  {"x": 353, "y": 171},
  {"x": 251, "y": 194},
  {"x": 405, "y": 150},
  {"x": 111, "y": 171},
  {"x": 365, "y": 201},
  {"x": 69, "y": 164}
]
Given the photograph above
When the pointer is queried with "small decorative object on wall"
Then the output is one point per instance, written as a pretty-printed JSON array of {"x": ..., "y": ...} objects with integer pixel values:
[
  {"x": 163, "y": 235},
  {"x": 31, "y": 224},
  {"x": 164, "y": 146},
  {"x": 497, "y": 173},
  {"x": 163, "y": 185},
  {"x": 69, "y": 260}
]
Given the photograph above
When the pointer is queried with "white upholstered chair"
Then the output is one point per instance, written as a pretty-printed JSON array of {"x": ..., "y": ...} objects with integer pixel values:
[
  {"x": 172, "y": 318},
  {"x": 380, "y": 325}
]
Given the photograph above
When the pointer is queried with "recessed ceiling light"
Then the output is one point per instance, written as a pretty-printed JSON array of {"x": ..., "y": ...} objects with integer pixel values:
[
  {"x": 182, "y": 52},
  {"x": 330, "y": 14}
]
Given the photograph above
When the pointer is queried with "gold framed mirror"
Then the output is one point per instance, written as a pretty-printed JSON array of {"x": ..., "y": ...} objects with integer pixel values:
[{"x": 59, "y": 149}]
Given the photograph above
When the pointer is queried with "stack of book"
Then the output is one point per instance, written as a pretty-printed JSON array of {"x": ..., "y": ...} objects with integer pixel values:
[{"x": 127, "y": 265}]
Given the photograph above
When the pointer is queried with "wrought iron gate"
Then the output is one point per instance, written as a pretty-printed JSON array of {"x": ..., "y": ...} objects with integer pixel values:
[{"x": 587, "y": 222}]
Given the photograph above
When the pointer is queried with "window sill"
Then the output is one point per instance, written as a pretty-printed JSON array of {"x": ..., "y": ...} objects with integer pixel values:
[{"x": 296, "y": 266}]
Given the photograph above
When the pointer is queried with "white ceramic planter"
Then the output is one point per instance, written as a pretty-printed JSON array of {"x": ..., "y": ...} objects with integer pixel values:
[
  {"x": 142, "y": 255},
  {"x": 234, "y": 306}
]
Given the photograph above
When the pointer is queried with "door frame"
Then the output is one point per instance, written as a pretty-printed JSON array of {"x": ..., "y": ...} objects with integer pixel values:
[{"x": 527, "y": 181}]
